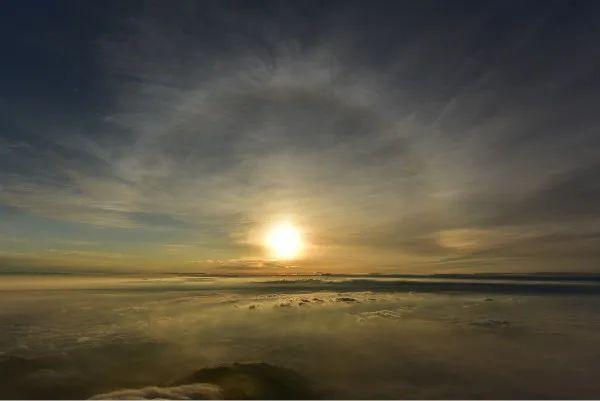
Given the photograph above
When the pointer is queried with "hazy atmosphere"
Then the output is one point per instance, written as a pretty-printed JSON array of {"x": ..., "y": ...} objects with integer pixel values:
[
  {"x": 241, "y": 199},
  {"x": 184, "y": 337},
  {"x": 416, "y": 137}
]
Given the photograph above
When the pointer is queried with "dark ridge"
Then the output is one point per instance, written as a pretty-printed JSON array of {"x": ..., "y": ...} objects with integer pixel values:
[
  {"x": 538, "y": 276},
  {"x": 439, "y": 286},
  {"x": 488, "y": 276},
  {"x": 245, "y": 381},
  {"x": 524, "y": 276}
]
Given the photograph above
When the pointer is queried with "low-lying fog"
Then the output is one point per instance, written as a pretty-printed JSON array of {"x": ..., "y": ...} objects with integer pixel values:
[{"x": 207, "y": 337}]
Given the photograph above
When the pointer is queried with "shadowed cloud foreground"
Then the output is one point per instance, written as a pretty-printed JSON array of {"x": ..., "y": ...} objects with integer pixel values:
[{"x": 332, "y": 337}]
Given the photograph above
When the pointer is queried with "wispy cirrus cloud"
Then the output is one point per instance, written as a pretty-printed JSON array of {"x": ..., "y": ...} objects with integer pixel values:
[{"x": 376, "y": 146}]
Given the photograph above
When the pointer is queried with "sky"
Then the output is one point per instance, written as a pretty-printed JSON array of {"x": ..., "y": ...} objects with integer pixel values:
[{"x": 398, "y": 137}]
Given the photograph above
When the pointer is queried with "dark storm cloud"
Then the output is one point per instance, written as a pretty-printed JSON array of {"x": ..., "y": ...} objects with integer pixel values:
[{"x": 417, "y": 133}]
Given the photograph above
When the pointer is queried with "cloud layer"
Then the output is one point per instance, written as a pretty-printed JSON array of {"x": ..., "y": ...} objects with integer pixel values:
[{"x": 199, "y": 391}]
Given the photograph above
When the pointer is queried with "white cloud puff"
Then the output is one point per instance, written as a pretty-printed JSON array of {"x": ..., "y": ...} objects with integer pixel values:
[{"x": 196, "y": 391}]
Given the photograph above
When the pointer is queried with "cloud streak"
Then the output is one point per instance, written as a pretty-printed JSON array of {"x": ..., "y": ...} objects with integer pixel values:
[{"x": 383, "y": 139}]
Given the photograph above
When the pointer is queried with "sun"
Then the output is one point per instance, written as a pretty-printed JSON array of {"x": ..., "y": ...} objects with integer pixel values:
[{"x": 284, "y": 241}]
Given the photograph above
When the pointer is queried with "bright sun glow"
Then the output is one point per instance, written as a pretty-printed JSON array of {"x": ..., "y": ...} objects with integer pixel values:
[{"x": 284, "y": 241}]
